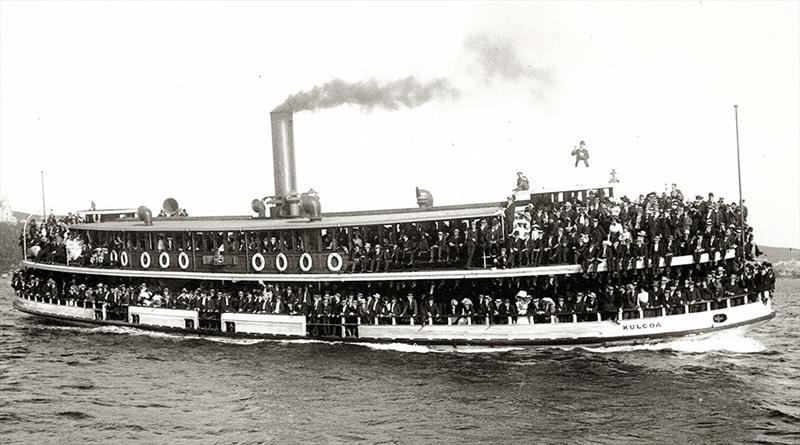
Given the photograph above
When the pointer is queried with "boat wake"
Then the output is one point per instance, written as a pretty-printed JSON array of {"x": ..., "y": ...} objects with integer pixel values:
[
  {"x": 423, "y": 349},
  {"x": 733, "y": 340}
]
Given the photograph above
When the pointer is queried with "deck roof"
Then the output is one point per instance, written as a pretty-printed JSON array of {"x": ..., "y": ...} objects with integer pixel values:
[{"x": 345, "y": 219}]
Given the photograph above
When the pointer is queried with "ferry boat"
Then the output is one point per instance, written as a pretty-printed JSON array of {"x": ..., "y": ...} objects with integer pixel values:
[{"x": 290, "y": 242}]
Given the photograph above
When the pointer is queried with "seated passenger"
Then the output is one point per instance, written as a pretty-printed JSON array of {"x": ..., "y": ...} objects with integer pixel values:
[
  {"x": 430, "y": 310},
  {"x": 379, "y": 260},
  {"x": 467, "y": 311},
  {"x": 591, "y": 302},
  {"x": 279, "y": 306},
  {"x": 629, "y": 301},
  {"x": 438, "y": 248},
  {"x": 411, "y": 309},
  {"x": 523, "y": 302},
  {"x": 395, "y": 308},
  {"x": 356, "y": 260},
  {"x": 455, "y": 247},
  {"x": 501, "y": 261},
  {"x": 454, "y": 312},
  {"x": 675, "y": 300},
  {"x": 408, "y": 249}
]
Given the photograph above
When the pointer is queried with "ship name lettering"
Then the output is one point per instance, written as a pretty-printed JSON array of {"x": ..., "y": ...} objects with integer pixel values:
[{"x": 627, "y": 327}]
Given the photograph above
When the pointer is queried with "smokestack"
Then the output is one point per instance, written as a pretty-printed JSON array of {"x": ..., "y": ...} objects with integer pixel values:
[{"x": 283, "y": 153}]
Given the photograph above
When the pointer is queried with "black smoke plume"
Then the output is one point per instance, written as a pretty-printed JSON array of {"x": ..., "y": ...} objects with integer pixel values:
[{"x": 408, "y": 92}]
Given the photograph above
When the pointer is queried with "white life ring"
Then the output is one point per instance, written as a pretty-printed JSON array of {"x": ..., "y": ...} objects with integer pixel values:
[
  {"x": 183, "y": 260},
  {"x": 258, "y": 262},
  {"x": 113, "y": 256},
  {"x": 305, "y": 262},
  {"x": 144, "y": 260},
  {"x": 337, "y": 259},
  {"x": 163, "y": 260},
  {"x": 123, "y": 258},
  {"x": 281, "y": 262}
]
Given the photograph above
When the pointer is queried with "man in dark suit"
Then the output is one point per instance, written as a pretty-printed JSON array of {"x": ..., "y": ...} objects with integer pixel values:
[
  {"x": 655, "y": 253},
  {"x": 374, "y": 307},
  {"x": 409, "y": 250},
  {"x": 438, "y": 247},
  {"x": 638, "y": 250},
  {"x": 471, "y": 242},
  {"x": 430, "y": 310},
  {"x": 455, "y": 246},
  {"x": 395, "y": 309},
  {"x": 410, "y": 309},
  {"x": 668, "y": 250},
  {"x": 506, "y": 311}
]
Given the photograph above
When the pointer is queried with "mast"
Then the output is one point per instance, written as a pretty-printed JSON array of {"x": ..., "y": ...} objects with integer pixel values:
[{"x": 739, "y": 168}]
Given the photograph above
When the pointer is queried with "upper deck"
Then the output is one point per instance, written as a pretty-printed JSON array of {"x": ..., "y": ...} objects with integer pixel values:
[{"x": 443, "y": 242}]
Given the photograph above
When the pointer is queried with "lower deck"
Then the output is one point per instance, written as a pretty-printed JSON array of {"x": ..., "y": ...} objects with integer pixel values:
[{"x": 557, "y": 329}]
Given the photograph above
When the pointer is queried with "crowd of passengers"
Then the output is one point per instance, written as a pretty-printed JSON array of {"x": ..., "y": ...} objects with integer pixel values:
[
  {"x": 603, "y": 229},
  {"x": 52, "y": 238},
  {"x": 618, "y": 232},
  {"x": 486, "y": 301}
]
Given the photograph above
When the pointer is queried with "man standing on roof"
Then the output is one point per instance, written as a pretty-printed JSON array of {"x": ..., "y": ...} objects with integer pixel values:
[
  {"x": 522, "y": 182},
  {"x": 581, "y": 154}
]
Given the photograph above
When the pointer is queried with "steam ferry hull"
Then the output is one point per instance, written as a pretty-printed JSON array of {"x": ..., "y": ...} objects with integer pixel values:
[{"x": 521, "y": 333}]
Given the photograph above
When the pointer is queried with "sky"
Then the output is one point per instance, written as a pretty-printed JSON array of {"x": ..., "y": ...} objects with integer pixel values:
[{"x": 127, "y": 104}]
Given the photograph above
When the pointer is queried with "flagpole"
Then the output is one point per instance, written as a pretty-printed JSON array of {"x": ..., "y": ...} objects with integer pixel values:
[
  {"x": 44, "y": 213},
  {"x": 739, "y": 169}
]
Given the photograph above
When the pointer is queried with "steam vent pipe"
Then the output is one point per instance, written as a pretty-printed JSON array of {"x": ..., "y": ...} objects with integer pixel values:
[{"x": 283, "y": 153}]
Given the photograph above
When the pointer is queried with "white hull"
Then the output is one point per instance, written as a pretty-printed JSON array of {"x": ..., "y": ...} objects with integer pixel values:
[{"x": 520, "y": 333}]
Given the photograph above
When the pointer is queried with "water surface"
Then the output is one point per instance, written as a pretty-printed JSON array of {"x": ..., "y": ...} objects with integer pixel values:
[{"x": 62, "y": 384}]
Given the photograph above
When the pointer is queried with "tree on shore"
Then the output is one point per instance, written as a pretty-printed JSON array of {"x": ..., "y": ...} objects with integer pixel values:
[{"x": 10, "y": 253}]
